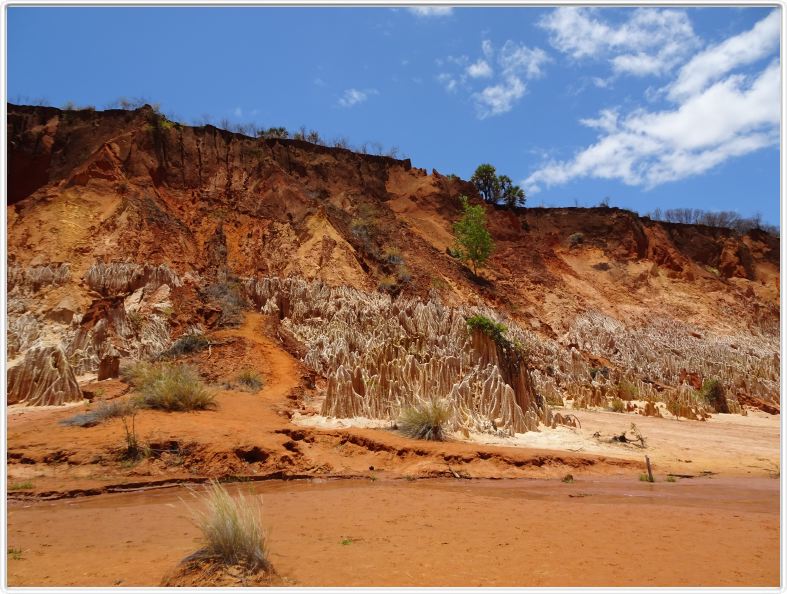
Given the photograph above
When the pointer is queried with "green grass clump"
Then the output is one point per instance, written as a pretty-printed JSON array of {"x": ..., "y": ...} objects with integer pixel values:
[
  {"x": 232, "y": 529},
  {"x": 569, "y": 478},
  {"x": 170, "y": 387},
  {"x": 15, "y": 553},
  {"x": 425, "y": 420},
  {"x": 21, "y": 486},
  {"x": 250, "y": 380},
  {"x": 671, "y": 479},
  {"x": 645, "y": 478}
]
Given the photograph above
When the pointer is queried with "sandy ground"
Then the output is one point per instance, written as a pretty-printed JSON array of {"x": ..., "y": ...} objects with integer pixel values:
[{"x": 596, "y": 532}]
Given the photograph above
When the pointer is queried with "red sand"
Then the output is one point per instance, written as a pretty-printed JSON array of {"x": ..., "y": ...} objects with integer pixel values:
[{"x": 594, "y": 532}]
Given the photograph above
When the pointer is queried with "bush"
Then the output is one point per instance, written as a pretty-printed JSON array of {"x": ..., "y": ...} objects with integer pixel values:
[
  {"x": 627, "y": 390},
  {"x": 232, "y": 529},
  {"x": 425, "y": 420},
  {"x": 617, "y": 405},
  {"x": 170, "y": 387},
  {"x": 392, "y": 255},
  {"x": 492, "y": 329},
  {"x": 250, "y": 379},
  {"x": 713, "y": 393},
  {"x": 187, "y": 344},
  {"x": 403, "y": 274},
  {"x": 388, "y": 284},
  {"x": 575, "y": 239},
  {"x": 105, "y": 410}
]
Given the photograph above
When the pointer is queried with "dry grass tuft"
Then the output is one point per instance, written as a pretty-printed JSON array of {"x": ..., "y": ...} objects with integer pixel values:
[
  {"x": 170, "y": 387},
  {"x": 232, "y": 529},
  {"x": 425, "y": 420},
  {"x": 105, "y": 410},
  {"x": 250, "y": 380}
]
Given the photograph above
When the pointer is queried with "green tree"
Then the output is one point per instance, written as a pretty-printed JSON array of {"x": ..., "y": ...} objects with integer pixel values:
[
  {"x": 487, "y": 183},
  {"x": 512, "y": 195},
  {"x": 473, "y": 240}
]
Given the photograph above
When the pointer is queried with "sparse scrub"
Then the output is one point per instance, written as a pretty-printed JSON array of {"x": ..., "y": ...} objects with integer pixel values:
[
  {"x": 644, "y": 478},
  {"x": 567, "y": 479},
  {"x": 616, "y": 405},
  {"x": 388, "y": 284},
  {"x": 425, "y": 420},
  {"x": 250, "y": 380},
  {"x": 24, "y": 486},
  {"x": 713, "y": 393},
  {"x": 576, "y": 239},
  {"x": 229, "y": 297},
  {"x": 170, "y": 387},
  {"x": 671, "y": 479},
  {"x": 627, "y": 390},
  {"x": 232, "y": 529},
  {"x": 187, "y": 344},
  {"x": 392, "y": 255},
  {"x": 403, "y": 274},
  {"x": 105, "y": 410},
  {"x": 15, "y": 553}
]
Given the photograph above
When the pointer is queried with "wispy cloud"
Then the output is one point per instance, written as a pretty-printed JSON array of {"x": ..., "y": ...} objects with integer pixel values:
[
  {"x": 514, "y": 64},
  {"x": 431, "y": 11},
  {"x": 650, "y": 42},
  {"x": 352, "y": 97},
  {"x": 716, "y": 61}
]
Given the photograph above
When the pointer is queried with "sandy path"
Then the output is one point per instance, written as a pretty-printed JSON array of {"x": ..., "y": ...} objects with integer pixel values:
[{"x": 604, "y": 532}]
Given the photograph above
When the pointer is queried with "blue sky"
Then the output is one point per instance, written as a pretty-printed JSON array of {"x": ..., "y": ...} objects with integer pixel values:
[{"x": 649, "y": 107}]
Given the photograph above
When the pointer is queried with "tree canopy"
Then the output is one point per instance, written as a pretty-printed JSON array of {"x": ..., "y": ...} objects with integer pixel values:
[{"x": 496, "y": 188}]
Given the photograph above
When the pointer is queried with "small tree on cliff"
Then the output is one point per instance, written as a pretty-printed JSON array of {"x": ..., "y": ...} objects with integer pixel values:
[{"x": 473, "y": 240}]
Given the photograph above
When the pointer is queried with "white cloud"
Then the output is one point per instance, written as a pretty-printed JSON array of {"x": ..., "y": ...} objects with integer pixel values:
[
  {"x": 520, "y": 60},
  {"x": 479, "y": 69},
  {"x": 745, "y": 48},
  {"x": 500, "y": 98},
  {"x": 448, "y": 81},
  {"x": 352, "y": 97},
  {"x": 431, "y": 11},
  {"x": 486, "y": 48},
  {"x": 515, "y": 64},
  {"x": 650, "y": 42},
  {"x": 732, "y": 117}
]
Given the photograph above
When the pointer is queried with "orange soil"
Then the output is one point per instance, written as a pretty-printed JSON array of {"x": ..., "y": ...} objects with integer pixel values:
[{"x": 609, "y": 532}]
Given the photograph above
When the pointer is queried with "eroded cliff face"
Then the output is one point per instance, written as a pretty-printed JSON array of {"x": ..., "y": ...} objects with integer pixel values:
[{"x": 125, "y": 230}]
